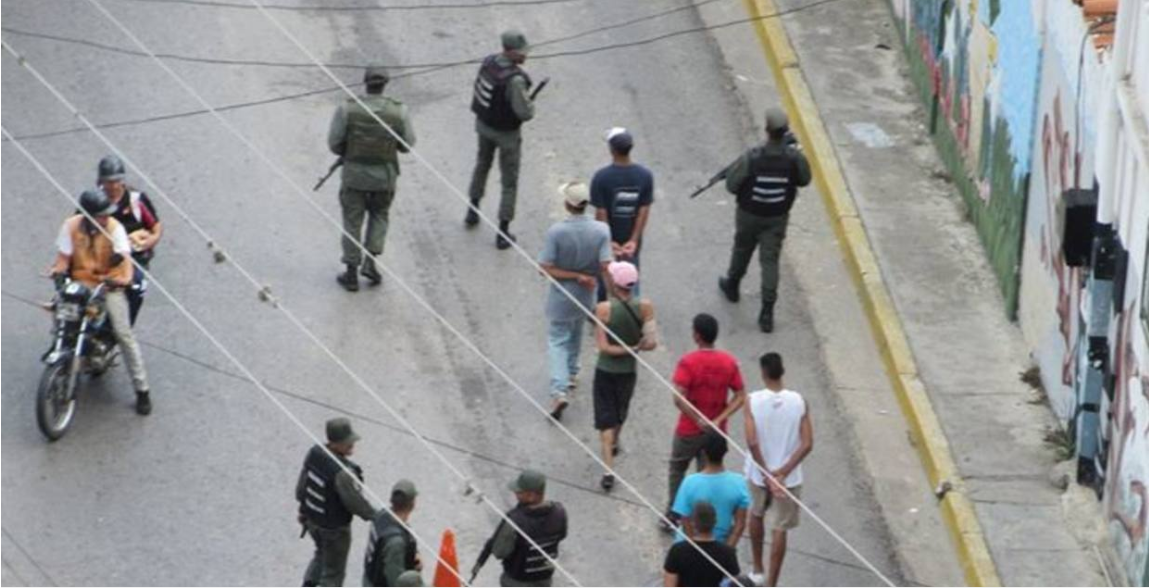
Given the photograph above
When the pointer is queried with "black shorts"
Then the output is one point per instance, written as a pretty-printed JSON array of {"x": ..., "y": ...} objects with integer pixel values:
[{"x": 612, "y": 393}]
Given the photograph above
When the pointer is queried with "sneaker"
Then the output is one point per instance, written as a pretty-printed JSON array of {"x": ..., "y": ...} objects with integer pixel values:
[
  {"x": 757, "y": 579},
  {"x": 607, "y": 482},
  {"x": 558, "y": 408},
  {"x": 143, "y": 403}
]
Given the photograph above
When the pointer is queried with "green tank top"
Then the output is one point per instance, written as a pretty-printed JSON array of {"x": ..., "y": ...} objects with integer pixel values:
[{"x": 627, "y": 329}]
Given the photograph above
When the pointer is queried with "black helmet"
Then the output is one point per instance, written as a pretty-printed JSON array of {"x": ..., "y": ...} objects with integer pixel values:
[
  {"x": 111, "y": 168},
  {"x": 96, "y": 203}
]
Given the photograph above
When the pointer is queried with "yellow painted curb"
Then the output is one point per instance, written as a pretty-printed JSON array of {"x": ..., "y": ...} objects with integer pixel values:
[{"x": 928, "y": 435}]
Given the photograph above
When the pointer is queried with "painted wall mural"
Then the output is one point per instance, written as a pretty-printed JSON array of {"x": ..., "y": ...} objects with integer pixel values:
[
  {"x": 1065, "y": 132},
  {"x": 1014, "y": 111},
  {"x": 977, "y": 64}
]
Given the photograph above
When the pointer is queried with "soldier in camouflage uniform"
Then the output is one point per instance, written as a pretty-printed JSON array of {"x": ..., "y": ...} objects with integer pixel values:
[{"x": 370, "y": 172}]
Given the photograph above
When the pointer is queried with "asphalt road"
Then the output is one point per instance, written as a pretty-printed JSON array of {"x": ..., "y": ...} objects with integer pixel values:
[{"x": 200, "y": 492}]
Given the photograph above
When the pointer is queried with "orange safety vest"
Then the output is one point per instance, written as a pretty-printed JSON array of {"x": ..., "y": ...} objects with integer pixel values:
[{"x": 92, "y": 254}]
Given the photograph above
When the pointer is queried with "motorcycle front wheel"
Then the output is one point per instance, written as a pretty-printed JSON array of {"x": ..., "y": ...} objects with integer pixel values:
[{"x": 55, "y": 401}]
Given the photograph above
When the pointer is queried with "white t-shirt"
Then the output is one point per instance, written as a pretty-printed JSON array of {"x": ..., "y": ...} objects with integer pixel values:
[
  {"x": 778, "y": 422},
  {"x": 120, "y": 242}
]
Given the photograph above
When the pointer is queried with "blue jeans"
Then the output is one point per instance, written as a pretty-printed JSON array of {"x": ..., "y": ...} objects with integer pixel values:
[{"x": 563, "y": 343}]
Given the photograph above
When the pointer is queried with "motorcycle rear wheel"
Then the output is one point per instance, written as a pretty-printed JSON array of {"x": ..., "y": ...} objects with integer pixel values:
[{"x": 55, "y": 403}]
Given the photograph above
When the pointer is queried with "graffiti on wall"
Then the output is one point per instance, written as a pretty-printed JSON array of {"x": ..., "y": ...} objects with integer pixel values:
[
  {"x": 977, "y": 64},
  {"x": 1126, "y": 499},
  {"x": 1063, "y": 159}
]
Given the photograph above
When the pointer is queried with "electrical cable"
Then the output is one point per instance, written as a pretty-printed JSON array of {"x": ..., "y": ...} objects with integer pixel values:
[
  {"x": 556, "y": 284},
  {"x": 265, "y": 291},
  {"x": 430, "y": 68},
  {"x": 334, "y": 65},
  {"x": 1107, "y": 19},
  {"x": 523, "y": 252},
  {"x": 265, "y": 294},
  {"x": 207, "y": 366},
  {"x": 215, "y": 342},
  {"x": 363, "y": 7},
  {"x": 551, "y": 478}
]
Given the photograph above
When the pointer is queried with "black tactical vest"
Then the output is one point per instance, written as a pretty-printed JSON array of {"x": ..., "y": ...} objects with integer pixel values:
[
  {"x": 383, "y": 528},
  {"x": 546, "y": 526},
  {"x": 770, "y": 189},
  {"x": 320, "y": 501},
  {"x": 490, "y": 102}
]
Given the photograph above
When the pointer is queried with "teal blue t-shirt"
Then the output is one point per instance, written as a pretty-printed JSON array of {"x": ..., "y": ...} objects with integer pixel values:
[{"x": 726, "y": 492}]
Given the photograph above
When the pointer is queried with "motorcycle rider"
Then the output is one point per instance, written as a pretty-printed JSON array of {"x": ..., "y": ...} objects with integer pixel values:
[
  {"x": 94, "y": 252},
  {"x": 137, "y": 214}
]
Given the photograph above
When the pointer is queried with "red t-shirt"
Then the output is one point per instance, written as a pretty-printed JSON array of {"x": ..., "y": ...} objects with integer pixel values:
[{"x": 708, "y": 376}]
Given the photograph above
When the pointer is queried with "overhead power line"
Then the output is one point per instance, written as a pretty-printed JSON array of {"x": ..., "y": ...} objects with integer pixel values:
[
  {"x": 429, "y": 67},
  {"x": 265, "y": 294},
  {"x": 361, "y": 7}
]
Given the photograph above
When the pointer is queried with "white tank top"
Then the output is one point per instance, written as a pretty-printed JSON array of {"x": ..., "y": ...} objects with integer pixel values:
[{"x": 778, "y": 421}]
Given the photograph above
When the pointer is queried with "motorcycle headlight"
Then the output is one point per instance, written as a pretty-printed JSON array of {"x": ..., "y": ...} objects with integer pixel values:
[{"x": 68, "y": 311}]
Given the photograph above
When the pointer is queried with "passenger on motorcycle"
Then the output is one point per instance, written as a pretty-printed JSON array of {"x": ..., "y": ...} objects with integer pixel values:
[
  {"x": 87, "y": 255},
  {"x": 138, "y": 216}
]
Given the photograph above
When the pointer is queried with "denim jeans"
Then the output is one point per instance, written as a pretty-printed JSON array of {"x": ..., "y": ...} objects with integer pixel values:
[{"x": 564, "y": 339}]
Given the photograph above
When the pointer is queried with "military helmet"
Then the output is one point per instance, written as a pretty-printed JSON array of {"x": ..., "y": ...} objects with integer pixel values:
[
  {"x": 96, "y": 203},
  {"x": 377, "y": 74},
  {"x": 514, "y": 40},
  {"x": 111, "y": 169}
]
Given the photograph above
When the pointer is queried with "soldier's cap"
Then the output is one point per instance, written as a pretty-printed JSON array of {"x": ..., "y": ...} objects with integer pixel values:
[
  {"x": 376, "y": 73},
  {"x": 514, "y": 40},
  {"x": 405, "y": 487},
  {"x": 409, "y": 578},
  {"x": 776, "y": 119},
  {"x": 339, "y": 431},
  {"x": 575, "y": 193},
  {"x": 619, "y": 138},
  {"x": 529, "y": 481}
]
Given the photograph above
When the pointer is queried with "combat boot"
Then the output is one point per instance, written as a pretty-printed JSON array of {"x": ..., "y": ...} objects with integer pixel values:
[
  {"x": 766, "y": 317},
  {"x": 349, "y": 279},
  {"x": 729, "y": 288},
  {"x": 502, "y": 242},
  {"x": 373, "y": 276},
  {"x": 472, "y": 217},
  {"x": 143, "y": 403}
]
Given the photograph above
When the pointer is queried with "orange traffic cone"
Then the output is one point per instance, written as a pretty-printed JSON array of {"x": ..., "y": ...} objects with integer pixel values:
[{"x": 447, "y": 570}]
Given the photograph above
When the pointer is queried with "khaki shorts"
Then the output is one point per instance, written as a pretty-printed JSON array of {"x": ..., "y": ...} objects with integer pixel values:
[{"x": 781, "y": 514}]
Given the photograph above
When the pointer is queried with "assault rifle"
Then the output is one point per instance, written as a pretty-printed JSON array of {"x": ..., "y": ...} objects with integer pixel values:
[
  {"x": 539, "y": 88},
  {"x": 330, "y": 171},
  {"x": 790, "y": 140},
  {"x": 484, "y": 555}
]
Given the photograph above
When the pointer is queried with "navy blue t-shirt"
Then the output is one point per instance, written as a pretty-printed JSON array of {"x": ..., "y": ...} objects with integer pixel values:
[{"x": 621, "y": 190}]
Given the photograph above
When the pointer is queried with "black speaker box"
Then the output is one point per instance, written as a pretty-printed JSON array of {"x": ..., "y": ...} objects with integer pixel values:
[{"x": 1080, "y": 216}]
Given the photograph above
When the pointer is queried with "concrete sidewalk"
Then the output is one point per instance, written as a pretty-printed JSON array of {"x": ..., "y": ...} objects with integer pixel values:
[{"x": 968, "y": 354}]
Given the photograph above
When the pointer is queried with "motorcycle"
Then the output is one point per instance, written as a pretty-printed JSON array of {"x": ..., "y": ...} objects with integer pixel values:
[{"x": 84, "y": 345}]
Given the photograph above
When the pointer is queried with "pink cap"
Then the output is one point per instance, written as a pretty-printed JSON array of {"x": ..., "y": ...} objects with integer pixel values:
[{"x": 623, "y": 273}]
